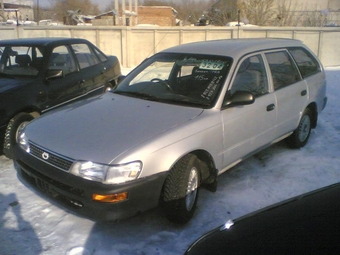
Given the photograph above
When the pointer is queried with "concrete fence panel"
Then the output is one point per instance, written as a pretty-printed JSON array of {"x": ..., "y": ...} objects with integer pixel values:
[{"x": 133, "y": 44}]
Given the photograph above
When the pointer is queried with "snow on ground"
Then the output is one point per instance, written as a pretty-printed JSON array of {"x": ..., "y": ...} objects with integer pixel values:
[{"x": 31, "y": 224}]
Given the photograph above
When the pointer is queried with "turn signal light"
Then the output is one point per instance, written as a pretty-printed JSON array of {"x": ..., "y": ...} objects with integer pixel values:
[{"x": 111, "y": 198}]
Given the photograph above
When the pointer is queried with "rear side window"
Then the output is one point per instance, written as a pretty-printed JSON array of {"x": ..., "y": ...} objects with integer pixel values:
[
  {"x": 283, "y": 69},
  {"x": 85, "y": 56},
  {"x": 100, "y": 55},
  {"x": 307, "y": 64}
]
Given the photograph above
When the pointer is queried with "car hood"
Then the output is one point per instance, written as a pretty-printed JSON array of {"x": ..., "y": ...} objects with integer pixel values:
[
  {"x": 10, "y": 83},
  {"x": 100, "y": 129},
  {"x": 306, "y": 224}
]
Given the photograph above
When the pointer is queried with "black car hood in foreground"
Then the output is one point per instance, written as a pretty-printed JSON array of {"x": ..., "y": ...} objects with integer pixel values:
[{"x": 307, "y": 224}]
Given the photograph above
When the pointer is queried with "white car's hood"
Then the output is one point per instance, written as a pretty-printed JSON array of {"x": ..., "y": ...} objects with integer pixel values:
[{"x": 101, "y": 128}]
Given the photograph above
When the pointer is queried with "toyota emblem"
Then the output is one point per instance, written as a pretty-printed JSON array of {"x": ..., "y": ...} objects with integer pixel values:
[{"x": 45, "y": 155}]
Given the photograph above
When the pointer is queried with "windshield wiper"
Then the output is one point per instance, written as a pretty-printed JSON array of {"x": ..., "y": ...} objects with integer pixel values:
[
  {"x": 137, "y": 94},
  {"x": 186, "y": 102}
]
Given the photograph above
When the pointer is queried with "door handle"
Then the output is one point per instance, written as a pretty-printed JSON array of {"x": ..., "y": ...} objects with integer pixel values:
[
  {"x": 303, "y": 92},
  {"x": 270, "y": 107}
]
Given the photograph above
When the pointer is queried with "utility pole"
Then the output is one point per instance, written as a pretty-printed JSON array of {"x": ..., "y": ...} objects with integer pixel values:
[
  {"x": 136, "y": 11},
  {"x": 2, "y": 10},
  {"x": 238, "y": 23},
  {"x": 38, "y": 12},
  {"x": 116, "y": 13}
]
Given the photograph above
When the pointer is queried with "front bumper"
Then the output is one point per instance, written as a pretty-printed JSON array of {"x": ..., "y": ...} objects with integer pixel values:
[{"x": 76, "y": 193}]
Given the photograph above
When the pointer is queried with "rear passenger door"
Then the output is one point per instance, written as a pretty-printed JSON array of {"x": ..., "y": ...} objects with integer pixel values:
[
  {"x": 66, "y": 88},
  {"x": 290, "y": 90},
  {"x": 91, "y": 69},
  {"x": 310, "y": 70}
]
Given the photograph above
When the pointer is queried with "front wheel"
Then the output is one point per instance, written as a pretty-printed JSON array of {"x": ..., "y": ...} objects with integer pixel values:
[
  {"x": 15, "y": 124},
  {"x": 300, "y": 136},
  {"x": 181, "y": 188}
]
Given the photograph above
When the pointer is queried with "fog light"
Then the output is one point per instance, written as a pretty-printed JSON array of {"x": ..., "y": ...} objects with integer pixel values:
[{"x": 111, "y": 198}]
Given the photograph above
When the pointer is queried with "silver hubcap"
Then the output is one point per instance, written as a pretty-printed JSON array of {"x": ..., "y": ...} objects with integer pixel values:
[
  {"x": 191, "y": 189},
  {"x": 304, "y": 128}
]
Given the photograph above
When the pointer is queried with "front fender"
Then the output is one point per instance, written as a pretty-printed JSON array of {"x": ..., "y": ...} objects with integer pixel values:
[{"x": 160, "y": 154}]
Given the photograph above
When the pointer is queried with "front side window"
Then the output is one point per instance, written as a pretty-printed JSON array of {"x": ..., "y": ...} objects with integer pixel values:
[
  {"x": 85, "y": 56},
  {"x": 307, "y": 64},
  {"x": 186, "y": 79},
  {"x": 251, "y": 77},
  {"x": 61, "y": 58},
  {"x": 20, "y": 60},
  {"x": 283, "y": 69}
]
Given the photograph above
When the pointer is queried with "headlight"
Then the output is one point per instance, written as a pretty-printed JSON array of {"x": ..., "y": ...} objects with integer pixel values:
[
  {"x": 107, "y": 174},
  {"x": 22, "y": 140}
]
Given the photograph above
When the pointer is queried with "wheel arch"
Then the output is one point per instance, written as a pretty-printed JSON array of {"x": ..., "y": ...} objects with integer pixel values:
[
  {"x": 208, "y": 171},
  {"x": 314, "y": 113},
  {"x": 206, "y": 158},
  {"x": 34, "y": 111}
]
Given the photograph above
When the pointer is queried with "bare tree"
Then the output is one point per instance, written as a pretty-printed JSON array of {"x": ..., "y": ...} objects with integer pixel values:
[
  {"x": 286, "y": 13},
  {"x": 258, "y": 12},
  {"x": 81, "y": 6},
  {"x": 313, "y": 19},
  {"x": 222, "y": 12}
]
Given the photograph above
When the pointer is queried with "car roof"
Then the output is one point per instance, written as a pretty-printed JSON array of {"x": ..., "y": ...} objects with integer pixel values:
[
  {"x": 41, "y": 41},
  {"x": 234, "y": 47}
]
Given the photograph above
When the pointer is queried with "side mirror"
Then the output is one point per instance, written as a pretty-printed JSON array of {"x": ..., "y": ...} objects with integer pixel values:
[
  {"x": 121, "y": 78},
  {"x": 54, "y": 74},
  {"x": 239, "y": 98}
]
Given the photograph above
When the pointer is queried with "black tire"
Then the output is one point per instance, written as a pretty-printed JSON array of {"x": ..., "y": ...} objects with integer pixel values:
[
  {"x": 181, "y": 188},
  {"x": 300, "y": 136},
  {"x": 11, "y": 132}
]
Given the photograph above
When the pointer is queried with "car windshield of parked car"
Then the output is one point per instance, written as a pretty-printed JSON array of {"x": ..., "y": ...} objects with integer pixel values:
[
  {"x": 19, "y": 61},
  {"x": 185, "y": 79}
]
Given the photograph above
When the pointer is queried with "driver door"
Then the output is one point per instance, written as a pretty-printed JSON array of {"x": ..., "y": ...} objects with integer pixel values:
[{"x": 249, "y": 127}]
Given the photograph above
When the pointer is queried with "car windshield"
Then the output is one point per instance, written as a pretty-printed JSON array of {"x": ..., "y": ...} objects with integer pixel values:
[
  {"x": 185, "y": 79},
  {"x": 17, "y": 61}
]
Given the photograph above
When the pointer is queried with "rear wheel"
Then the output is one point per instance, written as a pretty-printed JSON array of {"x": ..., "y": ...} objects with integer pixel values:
[
  {"x": 15, "y": 124},
  {"x": 180, "y": 191},
  {"x": 300, "y": 136}
]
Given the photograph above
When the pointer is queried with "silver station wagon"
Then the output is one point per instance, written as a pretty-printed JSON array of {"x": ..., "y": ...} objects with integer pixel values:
[{"x": 173, "y": 125}]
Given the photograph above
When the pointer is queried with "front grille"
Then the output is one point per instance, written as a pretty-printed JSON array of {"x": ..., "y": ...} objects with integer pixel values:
[
  {"x": 50, "y": 158},
  {"x": 46, "y": 184}
]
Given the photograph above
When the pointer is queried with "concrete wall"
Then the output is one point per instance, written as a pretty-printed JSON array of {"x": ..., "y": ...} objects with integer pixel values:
[{"x": 133, "y": 44}]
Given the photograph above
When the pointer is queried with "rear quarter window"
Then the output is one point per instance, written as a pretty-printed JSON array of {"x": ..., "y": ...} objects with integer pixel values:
[{"x": 306, "y": 62}]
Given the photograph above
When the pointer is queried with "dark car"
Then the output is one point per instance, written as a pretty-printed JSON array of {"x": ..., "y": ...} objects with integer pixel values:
[
  {"x": 306, "y": 224},
  {"x": 39, "y": 74}
]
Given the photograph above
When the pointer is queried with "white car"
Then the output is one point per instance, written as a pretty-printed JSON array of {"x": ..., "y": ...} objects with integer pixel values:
[{"x": 176, "y": 122}]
